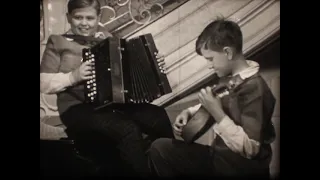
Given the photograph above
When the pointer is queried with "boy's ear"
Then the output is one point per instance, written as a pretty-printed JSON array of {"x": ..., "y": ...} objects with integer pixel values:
[{"x": 229, "y": 52}]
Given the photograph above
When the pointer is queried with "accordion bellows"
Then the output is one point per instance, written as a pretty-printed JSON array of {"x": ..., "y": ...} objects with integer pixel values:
[{"x": 125, "y": 71}]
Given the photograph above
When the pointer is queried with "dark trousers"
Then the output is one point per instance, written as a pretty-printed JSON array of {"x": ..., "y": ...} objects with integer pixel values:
[
  {"x": 172, "y": 158},
  {"x": 123, "y": 125}
]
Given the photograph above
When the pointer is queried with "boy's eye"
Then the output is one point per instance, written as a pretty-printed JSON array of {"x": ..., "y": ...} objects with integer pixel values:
[
  {"x": 77, "y": 17},
  {"x": 87, "y": 18},
  {"x": 90, "y": 18},
  {"x": 210, "y": 59}
]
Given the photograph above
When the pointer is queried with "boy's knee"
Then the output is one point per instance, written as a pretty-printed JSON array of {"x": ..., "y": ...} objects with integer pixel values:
[
  {"x": 130, "y": 131},
  {"x": 154, "y": 108},
  {"x": 133, "y": 130},
  {"x": 160, "y": 147}
]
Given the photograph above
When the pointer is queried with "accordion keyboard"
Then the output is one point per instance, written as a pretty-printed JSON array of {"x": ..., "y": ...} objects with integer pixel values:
[{"x": 91, "y": 85}]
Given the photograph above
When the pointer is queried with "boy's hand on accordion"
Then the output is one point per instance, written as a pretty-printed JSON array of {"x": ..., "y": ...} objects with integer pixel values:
[
  {"x": 84, "y": 72},
  {"x": 161, "y": 63}
]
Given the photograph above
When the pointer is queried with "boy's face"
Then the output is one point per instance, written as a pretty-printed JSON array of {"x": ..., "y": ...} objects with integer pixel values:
[
  {"x": 218, "y": 61},
  {"x": 84, "y": 21}
]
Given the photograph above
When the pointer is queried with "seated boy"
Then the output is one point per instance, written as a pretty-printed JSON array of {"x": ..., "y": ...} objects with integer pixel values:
[{"x": 242, "y": 131}]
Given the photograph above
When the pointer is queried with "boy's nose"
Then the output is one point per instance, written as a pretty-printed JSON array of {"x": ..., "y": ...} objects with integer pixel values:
[{"x": 84, "y": 22}]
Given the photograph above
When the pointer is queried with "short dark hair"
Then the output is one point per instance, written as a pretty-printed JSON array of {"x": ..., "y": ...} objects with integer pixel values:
[
  {"x": 76, "y": 4},
  {"x": 219, "y": 34}
]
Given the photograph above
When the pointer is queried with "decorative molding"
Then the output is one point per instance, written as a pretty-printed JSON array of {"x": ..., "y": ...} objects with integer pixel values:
[
  {"x": 144, "y": 12},
  {"x": 129, "y": 16},
  {"x": 170, "y": 20}
]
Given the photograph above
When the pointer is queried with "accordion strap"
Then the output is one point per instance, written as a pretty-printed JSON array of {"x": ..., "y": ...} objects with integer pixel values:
[{"x": 83, "y": 40}]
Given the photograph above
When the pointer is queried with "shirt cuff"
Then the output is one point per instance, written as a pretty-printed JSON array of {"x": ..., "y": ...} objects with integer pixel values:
[
  {"x": 72, "y": 80},
  {"x": 225, "y": 123}
]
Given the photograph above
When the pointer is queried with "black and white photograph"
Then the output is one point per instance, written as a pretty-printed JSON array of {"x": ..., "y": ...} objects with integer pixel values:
[{"x": 160, "y": 88}]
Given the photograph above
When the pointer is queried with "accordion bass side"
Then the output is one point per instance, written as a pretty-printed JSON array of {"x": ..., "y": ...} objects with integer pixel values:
[{"x": 125, "y": 71}]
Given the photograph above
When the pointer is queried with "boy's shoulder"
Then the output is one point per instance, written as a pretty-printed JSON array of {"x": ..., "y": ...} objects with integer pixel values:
[
  {"x": 56, "y": 38},
  {"x": 255, "y": 89},
  {"x": 254, "y": 86}
]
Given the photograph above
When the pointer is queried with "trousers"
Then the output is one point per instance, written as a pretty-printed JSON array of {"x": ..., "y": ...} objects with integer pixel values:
[
  {"x": 175, "y": 158},
  {"x": 121, "y": 125}
]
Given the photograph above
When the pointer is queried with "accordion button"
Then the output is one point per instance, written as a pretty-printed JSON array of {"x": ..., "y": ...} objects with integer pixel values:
[
  {"x": 94, "y": 84},
  {"x": 88, "y": 86}
]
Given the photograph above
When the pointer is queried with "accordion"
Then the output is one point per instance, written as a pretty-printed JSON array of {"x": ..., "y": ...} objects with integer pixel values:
[{"x": 125, "y": 71}]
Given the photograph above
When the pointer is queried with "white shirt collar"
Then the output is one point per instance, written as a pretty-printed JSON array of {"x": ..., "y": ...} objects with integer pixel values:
[{"x": 250, "y": 71}]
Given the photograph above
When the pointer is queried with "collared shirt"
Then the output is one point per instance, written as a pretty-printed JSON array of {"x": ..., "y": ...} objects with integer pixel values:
[{"x": 233, "y": 135}]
